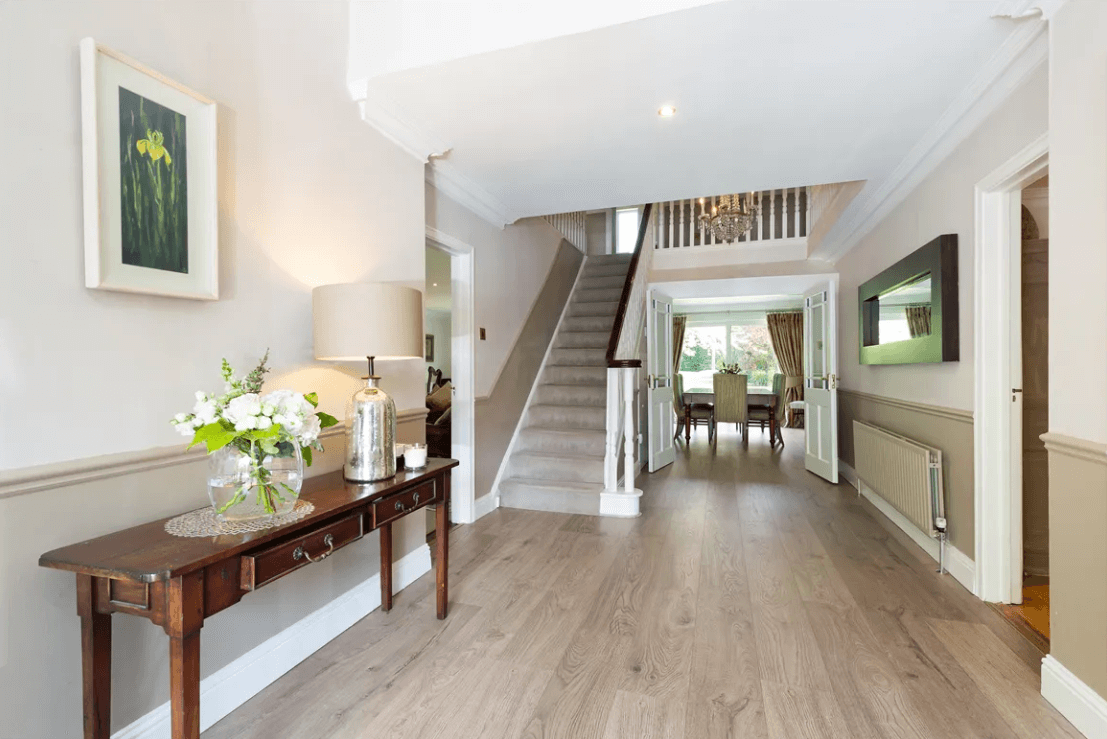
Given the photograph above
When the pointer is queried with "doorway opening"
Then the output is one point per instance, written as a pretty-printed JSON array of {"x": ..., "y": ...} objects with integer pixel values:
[
  {"x": 449, "y": 364},
  {"x": 1010, "y": 351},
  {"x": 1031, "y": 613}
]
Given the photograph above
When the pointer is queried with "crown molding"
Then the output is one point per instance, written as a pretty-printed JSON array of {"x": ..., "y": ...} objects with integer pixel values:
[
  {"x": 446, "y": 178},
  {"x": 1022, "y": 53},
  {"x": 1020, "y": 9},
  {"x": 394, "y": 124}
]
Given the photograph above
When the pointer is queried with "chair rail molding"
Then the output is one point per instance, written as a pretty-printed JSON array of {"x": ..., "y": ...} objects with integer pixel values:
[
  {"x": 1020, "y": 55},
  {"x": 27, "y": 480}
]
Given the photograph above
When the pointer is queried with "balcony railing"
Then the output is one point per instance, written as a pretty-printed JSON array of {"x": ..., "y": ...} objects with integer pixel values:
[{"x": 785, "y": 214}]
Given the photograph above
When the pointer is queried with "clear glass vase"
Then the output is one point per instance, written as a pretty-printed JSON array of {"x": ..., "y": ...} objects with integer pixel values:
[{"x": 245, "y": 483}]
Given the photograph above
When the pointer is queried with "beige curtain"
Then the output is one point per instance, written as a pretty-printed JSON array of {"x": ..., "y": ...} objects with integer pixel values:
[
  {"x": 918, "y": 320},
  {"x": 786, "y": 333},
  {"x": 679, "y": 324}
]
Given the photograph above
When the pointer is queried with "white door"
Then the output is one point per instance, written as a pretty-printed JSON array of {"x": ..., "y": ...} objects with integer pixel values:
[
  {"x": 659, "y": 382},
  {"x": 820, "y": 381}
]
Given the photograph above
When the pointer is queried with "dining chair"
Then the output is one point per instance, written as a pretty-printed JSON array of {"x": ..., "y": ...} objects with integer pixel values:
[
  {"x": 700, "y": 412},
  {"x": 763, "y": 416},
  {"x": 730, "y": 401}
]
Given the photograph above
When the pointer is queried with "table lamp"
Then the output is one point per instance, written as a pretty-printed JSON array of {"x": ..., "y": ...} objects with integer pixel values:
[{"x": 375, "y": 321}]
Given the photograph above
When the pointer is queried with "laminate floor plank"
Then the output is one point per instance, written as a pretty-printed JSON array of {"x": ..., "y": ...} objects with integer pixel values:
[
  {"x": 1010, "y": 684},
  {"x": 750, "y": 600}
]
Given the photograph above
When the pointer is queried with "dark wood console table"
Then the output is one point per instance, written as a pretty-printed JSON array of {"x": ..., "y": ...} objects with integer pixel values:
[{"x": 177, "y": 582}]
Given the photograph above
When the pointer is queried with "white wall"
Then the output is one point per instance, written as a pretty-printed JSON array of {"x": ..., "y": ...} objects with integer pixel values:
[
  {"x": 510, "y": 266},
  {"x": 943, "y": 203},
  {"x": 308, "y": 195},
  {"x": 1078, "y": 221}
]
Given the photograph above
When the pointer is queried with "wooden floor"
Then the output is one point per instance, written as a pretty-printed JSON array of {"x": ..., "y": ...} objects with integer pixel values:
[{"x": 751, "y": 599}]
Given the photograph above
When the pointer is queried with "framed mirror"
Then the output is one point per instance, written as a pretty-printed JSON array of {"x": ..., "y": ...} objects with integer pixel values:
[{"x": 908, "y": 313}]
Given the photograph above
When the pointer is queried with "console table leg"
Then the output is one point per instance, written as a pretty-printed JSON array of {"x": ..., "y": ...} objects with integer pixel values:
[
  {"x": 442, "y": 548},
  {"x": 184, "y": 686},
  {"x": 95, "y": 660},
  {"x": 184, "y": 617},
  {"x": 386, "y": 567}
]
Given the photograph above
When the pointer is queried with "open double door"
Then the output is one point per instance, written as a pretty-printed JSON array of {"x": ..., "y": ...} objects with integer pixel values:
[{"x": 820, "y": 381}]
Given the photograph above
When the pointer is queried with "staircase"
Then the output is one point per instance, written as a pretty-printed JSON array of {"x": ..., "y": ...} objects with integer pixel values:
[{"x": 557, "y": 461}]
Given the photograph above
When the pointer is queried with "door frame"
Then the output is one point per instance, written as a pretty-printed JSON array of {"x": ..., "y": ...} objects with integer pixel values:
[
  {"x": 997, "y": 428},
  {"x": 462, "y": 371}
]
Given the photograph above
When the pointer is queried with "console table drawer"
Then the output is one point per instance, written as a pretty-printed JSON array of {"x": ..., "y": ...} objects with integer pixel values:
[
  {"x": 266, "y": 565},
  {"x": 394, "y": 506}
]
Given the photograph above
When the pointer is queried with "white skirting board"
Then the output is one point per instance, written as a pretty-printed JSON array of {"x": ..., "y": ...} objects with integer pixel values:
[
  {"x": 485, "y": 505},
  {"x": 1081, "y": 705},
  {"x": 228, "y": 688},
  {"x": 958, "y": 564}
]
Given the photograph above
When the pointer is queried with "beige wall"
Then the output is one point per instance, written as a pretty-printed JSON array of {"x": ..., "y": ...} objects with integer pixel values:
[
  {"x": 943, "y": 203},
  {"x": 1077, "y": 340},
  {"x": 308, "y": 195},
  {"x": 944, "y": 428},
  {"x": 510, "y": 266}
]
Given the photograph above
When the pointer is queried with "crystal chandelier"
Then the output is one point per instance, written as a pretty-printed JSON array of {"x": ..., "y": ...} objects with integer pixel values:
[{"x": 733, "y": 216}]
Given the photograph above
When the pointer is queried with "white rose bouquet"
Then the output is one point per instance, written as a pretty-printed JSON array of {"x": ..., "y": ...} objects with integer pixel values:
[{"x": 259, "y": 426}]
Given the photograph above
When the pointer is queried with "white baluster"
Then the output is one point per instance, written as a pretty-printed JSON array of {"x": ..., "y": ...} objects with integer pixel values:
[
  {"x": 772, "y": 215},
  {"x": 681, "y": 241},
  {"x": 797, "y": 229},
  {"x": 755, "y": 232},
  {"x": 670, "y": 220},
  {"x": 711, "y": 231},
  {"x": 628, "y": 430},
  {"x": 807, "y": 218}
]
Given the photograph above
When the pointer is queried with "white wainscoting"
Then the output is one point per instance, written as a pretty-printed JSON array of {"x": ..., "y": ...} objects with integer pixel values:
[
  {"x": 228, "y": 688},
  {"x": 486, "y": 505}
]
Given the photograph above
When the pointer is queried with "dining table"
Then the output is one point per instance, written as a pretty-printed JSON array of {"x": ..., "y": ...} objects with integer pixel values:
[{"x": 754, "y": 401}]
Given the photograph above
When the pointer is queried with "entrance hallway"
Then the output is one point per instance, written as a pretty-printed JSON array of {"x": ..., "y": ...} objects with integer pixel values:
[{"x": 751, "y": 599}]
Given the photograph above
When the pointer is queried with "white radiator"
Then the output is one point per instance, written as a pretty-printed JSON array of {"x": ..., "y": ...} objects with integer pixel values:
[{"x": 905, "y": 473}]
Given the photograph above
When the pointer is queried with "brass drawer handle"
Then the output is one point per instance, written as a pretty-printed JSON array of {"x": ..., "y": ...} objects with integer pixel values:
[
  {"x": 301, "y": 553},
  {"x": 400, "y": 505}
]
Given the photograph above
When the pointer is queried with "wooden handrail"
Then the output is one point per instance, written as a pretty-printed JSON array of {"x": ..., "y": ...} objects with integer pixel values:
[{"x": 624, "y": 299}]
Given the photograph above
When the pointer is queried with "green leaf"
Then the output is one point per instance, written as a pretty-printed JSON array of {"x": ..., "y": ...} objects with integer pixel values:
[
  {"x": 261, "y": 435},
  {"x": 326, "y": 420},
  {"x": 214, "y": 435},
  {"x": 306, "y": 451},
  {"x": 269, "y": 447},
  {"x": 312, "y": 398}
]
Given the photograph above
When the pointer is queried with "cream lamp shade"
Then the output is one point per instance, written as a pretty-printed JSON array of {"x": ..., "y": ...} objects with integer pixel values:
[{"x": 367, "y": 319}]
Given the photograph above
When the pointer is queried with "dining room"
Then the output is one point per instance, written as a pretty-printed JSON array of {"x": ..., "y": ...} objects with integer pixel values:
[{"x": 738, "y": 365}]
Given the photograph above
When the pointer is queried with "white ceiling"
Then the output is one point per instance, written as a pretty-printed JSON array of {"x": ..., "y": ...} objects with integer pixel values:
[
  {"x": 738, "y": 290},
  {"x": 769, "y": 93}
]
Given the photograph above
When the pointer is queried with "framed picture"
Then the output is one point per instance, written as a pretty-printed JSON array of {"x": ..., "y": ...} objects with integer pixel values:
[
  {"x": 429, "y": 349},
  {"x": 151, "y": 215}
]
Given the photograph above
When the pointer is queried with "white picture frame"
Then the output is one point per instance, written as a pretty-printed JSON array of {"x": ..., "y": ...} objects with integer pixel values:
[{"x": 157, "y": 232}]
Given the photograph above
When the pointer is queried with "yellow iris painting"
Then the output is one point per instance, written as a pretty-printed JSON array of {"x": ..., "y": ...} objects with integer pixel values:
[{"x": 153, "y": 184}]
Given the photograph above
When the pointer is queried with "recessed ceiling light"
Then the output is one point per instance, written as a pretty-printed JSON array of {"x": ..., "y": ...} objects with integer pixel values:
[
  {"x": 434, "y": 284},
  {"x": 666, "y": 111}
]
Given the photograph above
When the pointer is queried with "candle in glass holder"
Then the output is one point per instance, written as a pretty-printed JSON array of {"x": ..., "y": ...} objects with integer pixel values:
[{"x": 415, "y": 456}]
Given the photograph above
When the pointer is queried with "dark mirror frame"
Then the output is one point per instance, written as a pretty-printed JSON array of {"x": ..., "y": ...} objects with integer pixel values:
[{"x": 939, "y": 258}]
